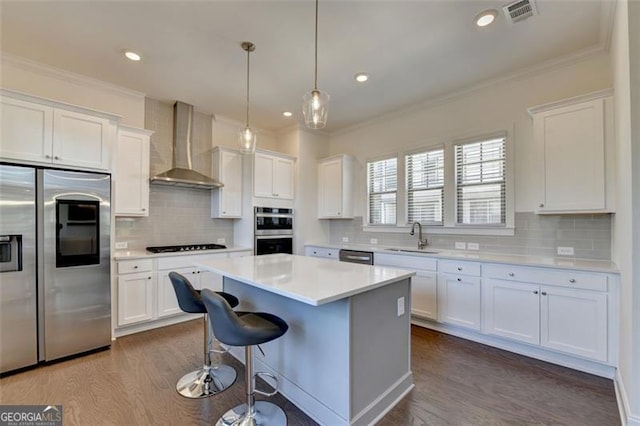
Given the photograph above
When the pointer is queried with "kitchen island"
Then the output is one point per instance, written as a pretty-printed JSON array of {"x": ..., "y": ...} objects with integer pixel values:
[{"x": 345, "y": 359}]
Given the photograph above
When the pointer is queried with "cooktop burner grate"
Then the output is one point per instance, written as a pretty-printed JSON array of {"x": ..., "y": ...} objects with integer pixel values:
[{"x": 190, "y": 247}]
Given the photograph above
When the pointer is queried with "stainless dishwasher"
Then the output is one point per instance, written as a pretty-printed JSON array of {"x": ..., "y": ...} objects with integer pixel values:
[{"x": 356, "y": 256}]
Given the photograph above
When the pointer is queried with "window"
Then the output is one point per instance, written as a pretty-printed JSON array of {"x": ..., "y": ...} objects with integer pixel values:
[
  {"x": 382, "y": 185},
  {"x": 425, "y": 187},
  {"x": 480, "y": 182}
]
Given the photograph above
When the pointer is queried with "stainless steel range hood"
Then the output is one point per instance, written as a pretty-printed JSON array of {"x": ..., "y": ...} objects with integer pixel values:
[{"x": 182, "y": 173}]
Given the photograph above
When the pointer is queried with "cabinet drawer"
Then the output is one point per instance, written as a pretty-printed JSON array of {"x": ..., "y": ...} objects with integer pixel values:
[
  {"x": 327, "y": 253},
  {"x": 241, "y": 253},
  {"x": 563, "y": 278},
  {"x": 187, "y": 261},
  {"x": 139, "y": 265},
  {"x": 404, "y": 261},
  {"x": 458, "y": 267}
]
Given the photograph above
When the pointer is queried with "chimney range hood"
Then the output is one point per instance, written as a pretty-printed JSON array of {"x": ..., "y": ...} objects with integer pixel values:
[{"x": 182, "y": 173}]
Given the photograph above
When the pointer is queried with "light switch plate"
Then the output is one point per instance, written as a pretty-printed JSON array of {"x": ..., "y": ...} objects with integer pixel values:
[
  {"x": 565, "y": 251},
  {"x": 221, "y": 241},
  {"x": 345, "y": 239},
  {"x": 461, "y": 246},
  {"x": 373, "y": 241},
  {"x": 473, "y": 246},
  {"x": 122, "y": 245},
  {"x": 400, "y": 306}
]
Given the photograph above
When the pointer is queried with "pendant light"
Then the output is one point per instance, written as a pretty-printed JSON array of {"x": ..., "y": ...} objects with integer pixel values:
[
  {"x": 315, "y": 104},
  {"x": 247, "y": 137}
]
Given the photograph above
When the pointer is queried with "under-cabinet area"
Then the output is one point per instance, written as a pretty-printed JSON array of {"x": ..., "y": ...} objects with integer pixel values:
[
  {"x": 563, "y": 315},
  {"x": 145, "y": 298}
]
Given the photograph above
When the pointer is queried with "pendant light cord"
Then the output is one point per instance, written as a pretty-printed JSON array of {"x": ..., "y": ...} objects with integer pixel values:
[
  {"x": 315, "y": 85},
  {"x": 248, "y": 54}
]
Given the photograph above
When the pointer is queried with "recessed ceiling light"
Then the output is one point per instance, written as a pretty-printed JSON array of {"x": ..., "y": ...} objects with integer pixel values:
[
  {"x": 287, "y": 114},
  {"x": 486, "y": 17},
  {"x": 133, "y": 56},
  {"x": 361, "y": 77}
]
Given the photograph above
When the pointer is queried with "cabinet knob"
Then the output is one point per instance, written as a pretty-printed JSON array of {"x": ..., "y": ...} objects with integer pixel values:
[
  {"x": 459, "y": 268},
  {"x": 198, "y": 272},
  {"x": 511, "y": 274},
  {"x": 544, "y": 293},
  {"x": 47, "y": 156},
  {"x": 535, "y": 292},
  {"x": 572, "y": 280},
  {"x": 338, "y": 213},
  {"x": 135, "y": 267},
  {"x": 459, "y": 279},
  {"x": 144, "y": 210},
  {"x": 55, "y": 157},
  {"x": 541, "y": 205},
  {"x": 224, "y": 212},
  {"x": 148, "y": 278}
]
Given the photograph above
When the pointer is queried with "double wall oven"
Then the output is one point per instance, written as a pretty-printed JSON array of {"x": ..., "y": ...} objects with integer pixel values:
[{"x": 273, "y": 230}]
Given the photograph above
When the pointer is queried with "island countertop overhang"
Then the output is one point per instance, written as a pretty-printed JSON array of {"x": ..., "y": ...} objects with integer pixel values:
[{"x": 309, "y": 280}]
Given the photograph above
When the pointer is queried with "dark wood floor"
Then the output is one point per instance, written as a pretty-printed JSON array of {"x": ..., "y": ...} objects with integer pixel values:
[{"x": 457, "y": 382}]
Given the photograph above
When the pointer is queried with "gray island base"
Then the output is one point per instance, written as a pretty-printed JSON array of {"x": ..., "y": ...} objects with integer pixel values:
[{"x": 345, "y": 359}]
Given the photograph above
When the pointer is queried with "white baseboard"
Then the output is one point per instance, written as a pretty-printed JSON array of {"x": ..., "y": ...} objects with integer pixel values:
[
  {"x": 145, "y": 326},
  {"x": 626, "y": 418}
]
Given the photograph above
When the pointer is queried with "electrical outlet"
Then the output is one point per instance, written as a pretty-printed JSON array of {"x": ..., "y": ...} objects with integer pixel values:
[
  {"x": 345, "y": 239},
  {"x": 122, "y": 245},
  {"x": 400, "y": 306},
  {"x": 565, "y": 251},
  {"x": 473, "y": 246},
  {"x": 221, "y": 241},
  {"x": 373, "y": 241},
  {"x": 461, "y": 246}
]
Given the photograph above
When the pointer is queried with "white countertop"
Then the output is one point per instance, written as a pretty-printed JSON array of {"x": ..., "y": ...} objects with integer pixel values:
[
  {"x": 143, "y": 254},
  {"x": 555, "y": 262},
  {"x": 309, "y": 280}
]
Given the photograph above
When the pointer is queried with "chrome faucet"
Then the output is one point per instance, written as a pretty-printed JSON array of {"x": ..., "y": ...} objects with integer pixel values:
[{"x": 422, "y": 242}]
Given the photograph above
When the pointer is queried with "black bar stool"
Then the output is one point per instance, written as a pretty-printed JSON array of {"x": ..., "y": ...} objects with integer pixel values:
[
  {"x": 210, "y": 379},
  {"x": 246, "y": 329}
]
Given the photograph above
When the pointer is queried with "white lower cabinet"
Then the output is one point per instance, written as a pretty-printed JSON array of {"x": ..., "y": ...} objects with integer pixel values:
[
  {"x": 570, "y": 320},
  {"x": 146, "y": 295},
  {"x": 135, "y": 296},
  {"x": 459, "y": 300}
]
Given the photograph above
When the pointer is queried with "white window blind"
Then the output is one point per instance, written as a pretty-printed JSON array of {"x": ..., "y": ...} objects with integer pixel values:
[
  {"x": 382, "y": 184},
  {"x": 480, "y": 182},
  {"x": 425, "y": 187}
]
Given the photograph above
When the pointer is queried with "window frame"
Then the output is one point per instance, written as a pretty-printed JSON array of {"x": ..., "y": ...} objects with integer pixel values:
[{"x": 450, "y": 225}]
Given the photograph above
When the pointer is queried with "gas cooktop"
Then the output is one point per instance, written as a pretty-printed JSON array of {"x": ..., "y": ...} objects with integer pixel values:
[{"x": 190, "y": 247}]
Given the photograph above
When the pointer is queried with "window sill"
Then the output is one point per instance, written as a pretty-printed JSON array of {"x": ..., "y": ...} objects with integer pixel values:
[{"x": 444, "y": 230}]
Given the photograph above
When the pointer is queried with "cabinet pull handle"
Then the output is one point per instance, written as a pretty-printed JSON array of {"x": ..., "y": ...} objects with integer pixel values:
[
  {"x": 544, "y": 293},
  {"x": 511, "y": 274},
  {"x": 572, "y": 280},
  {"x": 459, "y": 279},
  {"x": 535, "y": 291}
]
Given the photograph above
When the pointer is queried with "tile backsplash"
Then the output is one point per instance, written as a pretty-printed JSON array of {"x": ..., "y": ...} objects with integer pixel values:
[
  {"x": 537, "y": 235},
  {"x": 176, "y": 215}
]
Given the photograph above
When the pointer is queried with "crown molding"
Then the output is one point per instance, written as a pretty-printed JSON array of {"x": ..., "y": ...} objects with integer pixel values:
[
  {"x": 67, "y": 76},
  {"x": 522, "y": 74},
  {"x": 607, "y": 22}
]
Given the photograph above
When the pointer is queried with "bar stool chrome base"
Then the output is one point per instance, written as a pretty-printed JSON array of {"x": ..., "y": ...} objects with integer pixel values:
[
  {"x": 264, "y": 413},
  {"x": 207, "y": 381}
]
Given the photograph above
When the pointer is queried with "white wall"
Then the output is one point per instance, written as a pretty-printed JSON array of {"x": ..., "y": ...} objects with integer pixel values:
[
  {"x": 501, "y": 106},
  {"x": 626, "y": 223},
  {"x": 47, "y": 82},
  {"x": 225, "y": 133}
]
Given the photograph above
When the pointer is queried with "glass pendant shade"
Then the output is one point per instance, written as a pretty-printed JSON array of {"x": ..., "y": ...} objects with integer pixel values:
[
  {"x": 315, "y": 108},
  {"x": 247, "y": 140}
]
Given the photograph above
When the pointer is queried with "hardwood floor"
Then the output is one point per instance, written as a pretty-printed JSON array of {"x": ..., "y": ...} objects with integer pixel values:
[{"x": 457, "y": 383}]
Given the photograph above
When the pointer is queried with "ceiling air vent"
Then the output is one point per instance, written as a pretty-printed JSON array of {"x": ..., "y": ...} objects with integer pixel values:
[{"x": 519, "y": 11}]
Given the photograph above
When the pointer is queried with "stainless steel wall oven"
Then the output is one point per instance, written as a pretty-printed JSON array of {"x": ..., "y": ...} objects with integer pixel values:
[{"x": 273, "y": 230}]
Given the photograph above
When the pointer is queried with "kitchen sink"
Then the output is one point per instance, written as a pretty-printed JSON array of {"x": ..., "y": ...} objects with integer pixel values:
[{"x": 424, "y": 251}]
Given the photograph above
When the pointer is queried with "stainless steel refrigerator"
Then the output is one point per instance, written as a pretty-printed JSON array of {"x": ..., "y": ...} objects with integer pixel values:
[{"x": 55, "y": 286}]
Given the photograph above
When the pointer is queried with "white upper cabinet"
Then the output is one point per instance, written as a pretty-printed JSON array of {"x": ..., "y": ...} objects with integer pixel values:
[
  {"x": 335, "y": 187},
  {"x": 226, "y": 202},
  {"x": 131, "y": 174},
  {"x": 40, "y": 131},
  {"x": 273, "y": 176},
  {"x": 574, "y": 140}
]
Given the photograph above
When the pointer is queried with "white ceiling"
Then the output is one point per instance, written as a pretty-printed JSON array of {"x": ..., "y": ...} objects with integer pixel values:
[{"x": 413, "y": 50}]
